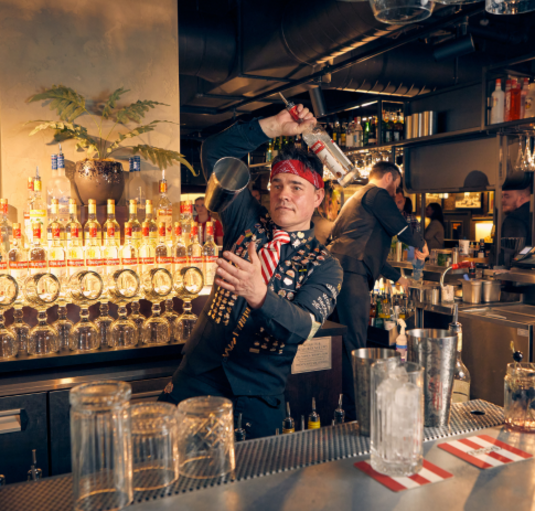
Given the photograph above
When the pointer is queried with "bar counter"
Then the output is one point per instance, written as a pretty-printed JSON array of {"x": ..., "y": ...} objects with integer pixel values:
[{"x": 314, "y": 470}]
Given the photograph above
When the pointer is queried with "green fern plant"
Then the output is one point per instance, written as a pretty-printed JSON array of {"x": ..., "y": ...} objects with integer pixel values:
[{"x": 69, "y": 106}]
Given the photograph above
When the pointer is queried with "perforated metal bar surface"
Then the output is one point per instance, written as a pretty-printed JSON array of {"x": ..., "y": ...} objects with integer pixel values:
[{"x": 257, "y": 458}]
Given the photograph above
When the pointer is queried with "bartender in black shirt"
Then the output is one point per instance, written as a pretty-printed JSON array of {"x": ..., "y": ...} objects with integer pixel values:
[
  {"x": 515, "y": 205},
  {"x": 362, "y": 237}
]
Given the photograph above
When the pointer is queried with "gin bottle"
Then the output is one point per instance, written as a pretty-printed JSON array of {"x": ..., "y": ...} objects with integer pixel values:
[
  {"x": 163, "y": 252},
  {"x": 129, "y": 251},
  {"x": 75, "y": 250},
  {"x": 93, "y": 251},
  {"x": 55, "y": 224}
]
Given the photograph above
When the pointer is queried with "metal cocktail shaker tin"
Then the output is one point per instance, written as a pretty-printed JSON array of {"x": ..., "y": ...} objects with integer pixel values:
[
  {"x": 408, "y": 126},
  {"x": 229, "y": 178}
]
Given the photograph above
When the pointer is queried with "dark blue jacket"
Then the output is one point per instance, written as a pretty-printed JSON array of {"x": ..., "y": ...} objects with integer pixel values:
[{"x": 256, "y": 347}]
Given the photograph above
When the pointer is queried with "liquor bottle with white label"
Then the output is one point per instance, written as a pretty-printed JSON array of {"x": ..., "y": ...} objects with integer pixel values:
[
  {"x": 37, "y": 255},
  {"x": 147, "y": 251},
  {"x": 180, "y": 251},
  {"x": 6, "y": 230},
  {"x": 92, "y": 224},
  {"x": 326, "y": 150},
  {"x": 461, "y": 375},
  {"x": 195, "y": 248},
  {"x": 93, "y": 251},
  {"x": 186, "y": 217},
  {"x": 163, "y": 252},
  {"x": 55, "y": 224},
  {"x": 164, "y": 210},
  {"x": 110, "y": 253},
  {"x": 18, "y": 262},
  {"x": 75, "y": 249},
  {"x": 209, "y": 255},
  {"x": 136, "y": 186},
  {"x": 73, "y": 223},
  {"x": 129, "y": 252},
  {"x": 111, "y": 225},
  {"x": 27, "y": 225},
  {"x": 38, "y": 213},
  {"x": 59, "y": 187},
  {"x": 57, "y": 259},
  {"x": 134, "y": 223},
  {"x": 153, "y": 226}
]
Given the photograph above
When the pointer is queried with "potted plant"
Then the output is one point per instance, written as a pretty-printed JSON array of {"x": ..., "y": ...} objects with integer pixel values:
[{"x": 99, "y": 176}]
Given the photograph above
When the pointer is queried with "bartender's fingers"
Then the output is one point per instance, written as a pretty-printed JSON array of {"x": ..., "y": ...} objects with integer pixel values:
[
  {"x": 304, "y": 112},
  {"x": 253, "y": 256},
  {"x": 226, "y": 266},
  {"x": 229, "y": 278},
  {"x": 238, "y": 261},
  {"x": 225, "y": 285}
]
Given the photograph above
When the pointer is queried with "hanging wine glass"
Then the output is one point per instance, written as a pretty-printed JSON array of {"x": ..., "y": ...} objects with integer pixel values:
[
  {"x": 529, "y": 143},
  {"x": 156, "y": 285},
  {"x": 41, "y": 292},
  {"x": 85, "y": 288},
  {"x": 188, "y": 283},
  {"x": 9, "y": 289},
  {"x": 525, "y": 165},
  {"x": 123, "y": 288},
  {"x": 519, "y": 156}
]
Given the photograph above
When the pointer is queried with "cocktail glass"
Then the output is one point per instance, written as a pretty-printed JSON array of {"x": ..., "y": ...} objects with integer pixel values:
[
  {"x": 124, "y": 287},
  {"x": 9, "y": 289}
]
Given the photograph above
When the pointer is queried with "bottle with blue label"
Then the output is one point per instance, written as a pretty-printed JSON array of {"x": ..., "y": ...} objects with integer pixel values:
[
  {"x": 401, "y": 341},
  {"x": 59, "y": 187}
]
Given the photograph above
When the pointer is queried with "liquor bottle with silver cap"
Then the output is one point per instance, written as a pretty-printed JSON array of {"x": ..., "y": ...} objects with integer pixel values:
[
  {"x": 325, "y": 149},
  {"x": 38, "y": 213},
  {"x": 461, "y": 375}
]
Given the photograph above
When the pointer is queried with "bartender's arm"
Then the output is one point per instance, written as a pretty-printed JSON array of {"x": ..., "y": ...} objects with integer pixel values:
[{"x": 294, "y": 321}]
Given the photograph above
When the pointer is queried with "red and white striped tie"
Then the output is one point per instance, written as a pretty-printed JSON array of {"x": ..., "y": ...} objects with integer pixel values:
[{"x": 270, "y": 253}]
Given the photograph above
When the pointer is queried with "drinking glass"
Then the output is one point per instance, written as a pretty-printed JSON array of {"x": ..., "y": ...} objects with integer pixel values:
[
  {"x": 41, "y": 291},
  {"x": 188, "y": 283},
  {"x": 519, "y": 396},
  {"x": 154, "y": 445},
  {"x": 85, "y": 288},
  {"x": 170, "y": 314},
  {"x": 205, "y": 437},
  {"x": 519, "y": 156},
  {"x": 9, "y": 290},
  {"x": 156, "y": 285},
  {"x": 101, "y": 449},
  {"x": 20, "y": 329},
  {"x": 63, "y": 327},
  {"x": 397, "y": 418},
  {"x": 123, "y": 288}
]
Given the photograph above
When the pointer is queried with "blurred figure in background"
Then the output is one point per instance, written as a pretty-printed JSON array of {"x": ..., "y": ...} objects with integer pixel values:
[
  {"x": 204, "y": 216},
  {"x": 325, "y": 215},
  {"x": 434, "y": 233},
  {"x": 256, "y": 194},
  {"x": 517, "y": 223}
]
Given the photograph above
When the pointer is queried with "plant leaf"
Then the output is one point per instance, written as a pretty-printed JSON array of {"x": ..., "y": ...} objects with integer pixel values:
[
  {"x": 162, "y": 157},
  {"x": 136, "y": 111},
  {"x": 135, "y": 133},
  {"x": 112, "y": 101},
  {"x": 67, "y": 130},
  {"x": 67, "y": 102}
]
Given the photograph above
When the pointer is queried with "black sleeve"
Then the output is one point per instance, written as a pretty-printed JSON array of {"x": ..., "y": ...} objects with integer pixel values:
[
  {"x": 379, "y": 202},
  {"x": 389, "y": 272},
  {"x": 514, "y": 228}
]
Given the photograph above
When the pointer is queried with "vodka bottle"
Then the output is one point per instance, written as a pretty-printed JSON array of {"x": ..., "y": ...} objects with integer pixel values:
[
  {"x": 523, "y": 96},
  {"x": 136, "y": 186},
  {"x": 55, "y": 224},
  {"x": 111, "y": 250},
  {"x": 147, "y": 251},
  {"x": 209, "y": 255},
  {"x": 164, "y": 211},
  {"x": 358, "y": 134},
  {"x": 186, "y": 216},
  {"x": 507, "y": 108},
  {"x": 59, "y": 187},
  {"x": 73, "y": 224},
  {"x": 111, "y": 226},
  {"x": 136, "y": 226},
  {"x": 37, "y": 254},
  {"x": 27, "y": 237},
  {"x": 93, "y": 251},
  {"x": 75, "y": 250},
  {"x": 6, "y": 231},
  {"x": 18, "y": 257},
  {"x": 180, "y": 251},
  {"x": 38, "y": 212},
  {"x": 195, "y": 249},
  {"x": 92, "y": 226},
  {"x": 153, "y": 226},
  {"x": 162, "y": 251},
  {"x": 57, "y": 259},
  {"x": 129, "y": 252}
]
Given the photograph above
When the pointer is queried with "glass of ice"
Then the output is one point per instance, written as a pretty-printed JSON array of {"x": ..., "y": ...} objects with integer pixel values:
[
  {"x": 519, "y": 397},
  {"x": 397, "y": 417}
]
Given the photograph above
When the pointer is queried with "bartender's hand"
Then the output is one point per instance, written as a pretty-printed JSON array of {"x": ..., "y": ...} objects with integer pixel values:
[
  {"x": 283, "y": 124},
  {"x": 404, "y": 283},
  {"x": 423, "y": 254},
  {"x": 244, "y": 278}
]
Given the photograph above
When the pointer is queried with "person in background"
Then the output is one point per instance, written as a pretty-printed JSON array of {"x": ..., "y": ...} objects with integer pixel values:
[
  {"x": 362, "y": 237},
  {"x": 256, "y": 194},
  {"x": 204, "y": 216},
  {"x": 517, "y": 223},
  {"x": 434, "y": 233},
  {"x": 404, "y": 205},
  {"x": 326, "y": 213}
]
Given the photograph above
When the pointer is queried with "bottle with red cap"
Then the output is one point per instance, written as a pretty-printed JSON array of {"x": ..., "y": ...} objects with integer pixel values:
[
  {"x": 37, "y": 254},
  {"x": 507, "y": 114}
]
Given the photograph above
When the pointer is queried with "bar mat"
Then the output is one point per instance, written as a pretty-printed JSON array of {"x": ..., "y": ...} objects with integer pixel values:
[{"x": 257, "y": 458}]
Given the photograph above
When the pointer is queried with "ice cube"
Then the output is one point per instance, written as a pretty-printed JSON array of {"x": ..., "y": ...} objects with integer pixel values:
[
  {"x": 400, "y": 374},
  {"x": 408, "y": 396}
]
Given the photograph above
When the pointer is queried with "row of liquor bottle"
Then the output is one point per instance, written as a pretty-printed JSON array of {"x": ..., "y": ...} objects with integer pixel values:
[{"x": 516, "y": 102}]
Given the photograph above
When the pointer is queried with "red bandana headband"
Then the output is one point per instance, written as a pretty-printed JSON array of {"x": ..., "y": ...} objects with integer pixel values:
[{"x": 296, "y": 167}]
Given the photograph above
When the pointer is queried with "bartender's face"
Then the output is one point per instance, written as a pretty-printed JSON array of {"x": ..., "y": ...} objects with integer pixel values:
[
  {"x": 292, "y": 202},
  {"x": 511, "y": 200}
]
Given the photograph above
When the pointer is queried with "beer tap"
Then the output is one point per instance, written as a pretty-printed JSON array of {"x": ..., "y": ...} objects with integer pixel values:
[{"x": 34, "y": 473}]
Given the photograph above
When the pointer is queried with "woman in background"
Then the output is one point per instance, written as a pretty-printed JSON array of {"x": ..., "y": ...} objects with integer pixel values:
[{"x": 434, "y": 234}]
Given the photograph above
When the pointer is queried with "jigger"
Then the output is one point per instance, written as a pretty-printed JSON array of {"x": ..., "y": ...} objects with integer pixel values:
[
  {"x": 123, "y": 288},
  {"x": 85, "y": 288},
  {"x": 9, "y": 289},
  {"x": 156, "y": 285},
  {"x": 188, "y": 283}
]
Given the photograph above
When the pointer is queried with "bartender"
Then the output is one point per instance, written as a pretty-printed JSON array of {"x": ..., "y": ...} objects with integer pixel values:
[
  {"x": 515, "y": 205},
  {"x": 362, "y": 237},
  {"x": 275, "y": 285}
]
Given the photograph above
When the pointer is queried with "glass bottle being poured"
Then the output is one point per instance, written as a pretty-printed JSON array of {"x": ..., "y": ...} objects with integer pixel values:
[{"x": 325, "y": 149}]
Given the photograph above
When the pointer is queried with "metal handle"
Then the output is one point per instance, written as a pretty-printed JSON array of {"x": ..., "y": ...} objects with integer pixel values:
[{"x": 10, "y": 421}]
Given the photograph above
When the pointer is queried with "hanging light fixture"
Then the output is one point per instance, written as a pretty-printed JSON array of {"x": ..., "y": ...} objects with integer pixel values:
[
  {"x": 402, "y": 12},
  {"x": 509, "y": 6}
]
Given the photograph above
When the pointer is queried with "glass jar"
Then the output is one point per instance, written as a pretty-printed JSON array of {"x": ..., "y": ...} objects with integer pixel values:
[
  {"x": 519, "y": 396},
  {"x": 101, "y": 450}
]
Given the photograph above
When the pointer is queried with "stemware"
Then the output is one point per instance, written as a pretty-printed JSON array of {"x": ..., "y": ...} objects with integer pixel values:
[
  {"x": 41, "y": 291},
  {"x": 19, "y": 328},
  {"x": 519, "y": 156},
  {"x": 123, "y": 288},
  {"x": 9, "y": 289},
  {"x": 85, "y": 288},
  {"x": 156, "y": 284},
  {"x": 188, "y": 283}
]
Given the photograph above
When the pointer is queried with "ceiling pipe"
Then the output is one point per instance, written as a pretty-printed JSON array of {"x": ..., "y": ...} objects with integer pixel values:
[{"x": 318, "y": 101}]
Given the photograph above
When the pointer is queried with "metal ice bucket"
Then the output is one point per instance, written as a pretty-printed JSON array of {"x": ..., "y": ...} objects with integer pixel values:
[
  {"x": 229, "y": 178},
  {"x": 435, "y": 351}
]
